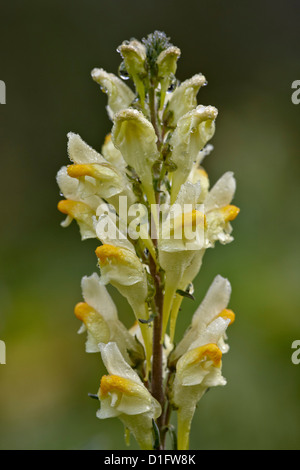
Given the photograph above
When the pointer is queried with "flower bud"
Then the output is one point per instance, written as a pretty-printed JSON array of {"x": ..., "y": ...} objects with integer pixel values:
[
  {"x": 134, "y": 55},
  {"x": 166, "y": 65}
]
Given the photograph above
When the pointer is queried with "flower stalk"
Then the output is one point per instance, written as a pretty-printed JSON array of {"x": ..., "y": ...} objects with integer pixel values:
[{"x": 151, "y": 249}]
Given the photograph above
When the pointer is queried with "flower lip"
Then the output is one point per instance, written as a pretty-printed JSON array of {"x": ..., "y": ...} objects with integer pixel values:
[
  {"x": 107, "y": 253},
  {"x": 230, "y": 212},
  {"x": 228, "y": 314},
  {"x": 115, "y": 383},
  {"x": 83, "y": 311},
  {"x": 102, "y": 171},
  {"x": 207, "y": 352},
  {"x": 73, "y": 208}
]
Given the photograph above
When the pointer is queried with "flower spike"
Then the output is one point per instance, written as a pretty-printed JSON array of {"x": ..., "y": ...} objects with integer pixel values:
[{"x": 148, "y": 201}]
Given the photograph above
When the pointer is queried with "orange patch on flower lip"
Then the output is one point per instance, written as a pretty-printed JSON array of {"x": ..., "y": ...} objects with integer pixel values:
[
  {"x": 115, "y": 383},
  {"x": 76, "y": 171},
  {"x": 107, "y": 253},
  {"x": 83, "y": 311},
  {"x": 73, "y": 208},
  {"x": 208, "y": 352},
  {"x": 100, "y": 171},
  {"x": 228, "y": 314},
  {"x": 230, "y": 212}
]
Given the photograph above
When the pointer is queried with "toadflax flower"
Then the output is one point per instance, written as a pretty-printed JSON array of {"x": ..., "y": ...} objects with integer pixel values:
[
  {"x": 148, "y": 201},
  {"x": 213, "y": 306},
  {"x": 99, "y": 317},
  {"x": 198, "y": 356},
  {"x": 123, "y": 269},
  {"x": 123, "y": 394}
]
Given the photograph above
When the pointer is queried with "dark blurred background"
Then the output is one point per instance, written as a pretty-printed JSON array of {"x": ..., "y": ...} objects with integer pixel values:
[{"x": 249, "y": 52}]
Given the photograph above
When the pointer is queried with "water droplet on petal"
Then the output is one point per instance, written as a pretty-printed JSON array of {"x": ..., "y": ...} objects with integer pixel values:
[{"x": 123, "y": 71}]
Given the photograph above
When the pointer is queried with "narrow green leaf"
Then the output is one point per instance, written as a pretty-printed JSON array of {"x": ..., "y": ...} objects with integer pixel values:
[
  {"x": 94, "y": 396},
  {"x": 184, "y": 293},
  {"x": 156, "y": 435}
]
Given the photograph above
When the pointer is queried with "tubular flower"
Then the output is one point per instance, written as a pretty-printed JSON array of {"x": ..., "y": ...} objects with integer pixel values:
[
  {"x": 134, "y": 55},
  {"x": 81, "y": 212},
  {"x": 123, "y": 394},
  {"x": 198, "y": 356},
  {"x": 213, "y": 306},
  {"x": 135, "y": 137},
  {"x": 191, "y": 134},
  {"x": 196, "y": 371},
  {"x": 148, "y": 201},
  {"x": 99, "y": 317},
  {"x": 219, "y": 211},
  {"x": 166, "y": 64},
  {"x": 91, "y": 178},
  {"x": 123, "y": 269},
  {"x": 180, "y": 254}
]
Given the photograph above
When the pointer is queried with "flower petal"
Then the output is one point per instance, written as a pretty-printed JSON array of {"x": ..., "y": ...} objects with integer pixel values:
[
  {"x": 193, "y": 131},
  {"x": 135, "y": 137},
  {"x": 222, "y": 192},
  {"x": 116, "y": 364},
  {"x": 80, "y": 152},
  {"x": 184, "y": 98},
  {"x": 96, "y": 295},
  {"x": 216, "y": 300},
  {"x": 120, "y": 96}
]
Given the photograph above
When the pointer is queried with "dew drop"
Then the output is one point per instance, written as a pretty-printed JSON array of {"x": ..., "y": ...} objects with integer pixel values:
[
  {"x": 173, "y": 84},
  {"x": 123, "y": 71}
]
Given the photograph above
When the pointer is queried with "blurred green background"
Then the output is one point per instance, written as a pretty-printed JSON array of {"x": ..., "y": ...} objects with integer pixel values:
[{"x": 249, "y": 52}]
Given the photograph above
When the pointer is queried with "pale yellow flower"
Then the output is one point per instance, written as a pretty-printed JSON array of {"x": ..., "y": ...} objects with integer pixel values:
[
  {"x": 122, "y": 394},
  {"x": 123, "y": 269},
  {"x": 99, "y": 317}
]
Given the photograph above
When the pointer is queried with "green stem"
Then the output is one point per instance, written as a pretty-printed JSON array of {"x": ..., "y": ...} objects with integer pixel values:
[{"x": 153, "y": 114}]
